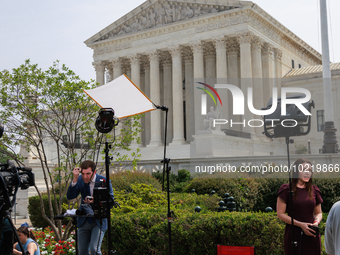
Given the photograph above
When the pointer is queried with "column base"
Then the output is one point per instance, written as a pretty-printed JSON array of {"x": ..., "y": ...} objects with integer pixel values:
[
  {"x": 177, "y": 142},
  {"x": 155, "y": 144}
]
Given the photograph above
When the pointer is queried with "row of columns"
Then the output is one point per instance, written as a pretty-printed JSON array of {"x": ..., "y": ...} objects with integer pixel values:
[{"x": 248, "y": 57}]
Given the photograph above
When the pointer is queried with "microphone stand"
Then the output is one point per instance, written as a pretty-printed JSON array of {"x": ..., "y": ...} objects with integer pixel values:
[
  {"x": 107, "y": 170},
  {"x": 167, "y": 168},
  {"x": 291, "y": 193}
]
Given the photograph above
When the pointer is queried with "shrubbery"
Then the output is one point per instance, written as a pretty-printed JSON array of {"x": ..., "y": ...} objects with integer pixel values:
[
  {"x": 196, "y": 233},
  {"x": 35, "y": 212},
  {"x": 142, "y": 221},
  {"x": 178, "y": 182},
  {"x": 123, "y": 180},
  {"x": 257, "y": 194}
]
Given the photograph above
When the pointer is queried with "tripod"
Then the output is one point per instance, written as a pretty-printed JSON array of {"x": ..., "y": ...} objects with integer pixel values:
[{"x": 5, "y": 214}]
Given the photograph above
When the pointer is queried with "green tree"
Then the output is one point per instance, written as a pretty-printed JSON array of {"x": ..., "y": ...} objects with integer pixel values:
[{"x": 47, "y": 114}]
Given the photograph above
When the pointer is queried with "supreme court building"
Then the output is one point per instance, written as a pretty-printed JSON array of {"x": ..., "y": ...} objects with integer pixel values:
[{"x": 167, "y": 46}]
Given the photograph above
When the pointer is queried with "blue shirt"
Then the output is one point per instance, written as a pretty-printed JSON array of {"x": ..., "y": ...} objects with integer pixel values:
[{"x": 29, "y": 240}]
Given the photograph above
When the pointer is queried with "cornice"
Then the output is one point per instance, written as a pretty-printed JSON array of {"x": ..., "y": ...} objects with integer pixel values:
[
  {"x": 265, "y": 23},
  {"x": 260, "y": 22}
]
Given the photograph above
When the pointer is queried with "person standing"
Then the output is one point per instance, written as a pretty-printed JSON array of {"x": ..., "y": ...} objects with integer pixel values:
[
  {"x": 90, "y": 231},
  {"x": 332, "y": 231},
  {"x": 306, "y": 208}
]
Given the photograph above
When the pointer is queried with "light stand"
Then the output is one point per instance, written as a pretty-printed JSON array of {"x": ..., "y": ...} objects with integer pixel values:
[
  {"x": 294, "y": 127},
  {"x": 167, "y": 168},
  {"x": 104, "y": 124}
]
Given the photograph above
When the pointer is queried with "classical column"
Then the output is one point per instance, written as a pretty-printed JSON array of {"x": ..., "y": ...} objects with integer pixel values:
[
  {"x": 155, "y": 118},
  {"x": 256, "y": 58},
  {"x": 167, "y": 83},
  {"x": 100, "y": 72},
  {"x": 278, "y": 69},
  {"x": 233, "y": 78},
  {"x": 109, "y": 70},
  {"x": 135, "y": 73},
  {"x": 222, "y": 74},
  {"x": 210, "y": 64},
  {"x": 268, "y": 68},
  {"x": 245, "y": 39},
  {"x": 197, "y": 49},
  {"x": 135, "y": 69},
  {"x": 147, "y": 126},
  {"x": 117, "y": 67},
  {"x": 177, "y": 95},
  {"x": 189, "y": 95}
]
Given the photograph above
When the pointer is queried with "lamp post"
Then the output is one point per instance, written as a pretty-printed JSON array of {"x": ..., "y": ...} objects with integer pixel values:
[{"x": 330, "y": 144}]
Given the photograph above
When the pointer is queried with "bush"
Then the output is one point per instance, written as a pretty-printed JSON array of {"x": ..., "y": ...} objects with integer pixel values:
[
  {"x": 35, "y": 211},
  {"x": 178, "y": 182},
  {"x": 123, "y": 180},
  {"x": 244, "y": 191},
  {"x": 196, "y": 233}
]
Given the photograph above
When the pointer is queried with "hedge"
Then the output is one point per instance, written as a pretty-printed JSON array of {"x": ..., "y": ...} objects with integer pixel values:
[
  {"x": 258, "y": 193},
  {"x": 35, "y": 212},
  {"x": 193, "y": 233}
]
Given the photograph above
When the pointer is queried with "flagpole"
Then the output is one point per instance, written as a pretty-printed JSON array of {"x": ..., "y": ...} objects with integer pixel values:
[{"x": 330, "y": 144}]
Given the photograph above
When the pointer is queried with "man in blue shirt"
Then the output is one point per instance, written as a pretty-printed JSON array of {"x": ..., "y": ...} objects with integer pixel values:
[{"x": 90, "y": 231}]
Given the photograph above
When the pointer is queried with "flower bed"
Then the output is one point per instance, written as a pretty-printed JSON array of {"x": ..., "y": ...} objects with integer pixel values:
[{"x": 48, "y": 245}]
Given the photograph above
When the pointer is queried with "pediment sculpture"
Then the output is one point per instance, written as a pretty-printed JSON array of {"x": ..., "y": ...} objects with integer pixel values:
[{"x": 162, "y": 13}]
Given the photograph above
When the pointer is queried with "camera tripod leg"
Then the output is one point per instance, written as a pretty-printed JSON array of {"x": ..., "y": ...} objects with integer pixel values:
[{"x": 8, "y": 217}]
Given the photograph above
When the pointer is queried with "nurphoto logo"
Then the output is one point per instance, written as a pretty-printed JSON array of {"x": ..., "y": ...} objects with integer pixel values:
[{"x": 239, "y": 104}]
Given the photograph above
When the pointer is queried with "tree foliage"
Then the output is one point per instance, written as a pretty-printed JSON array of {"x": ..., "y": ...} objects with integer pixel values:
[{"x": 47, "y": 115}]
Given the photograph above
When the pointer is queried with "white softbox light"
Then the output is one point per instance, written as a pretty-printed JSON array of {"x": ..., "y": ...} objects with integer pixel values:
[{"x": 123, "y": 96}]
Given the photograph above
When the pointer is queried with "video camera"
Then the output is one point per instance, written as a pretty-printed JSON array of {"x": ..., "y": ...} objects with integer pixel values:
[{"x": 11, "y": 179}]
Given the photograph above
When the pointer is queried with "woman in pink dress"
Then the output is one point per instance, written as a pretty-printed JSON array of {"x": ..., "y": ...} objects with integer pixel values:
[{"x": 306, "y": 210}]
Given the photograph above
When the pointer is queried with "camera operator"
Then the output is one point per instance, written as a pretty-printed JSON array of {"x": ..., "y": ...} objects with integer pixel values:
[
  {"x": 90, "y": 231},
  {"x": 6, "y": 239}
]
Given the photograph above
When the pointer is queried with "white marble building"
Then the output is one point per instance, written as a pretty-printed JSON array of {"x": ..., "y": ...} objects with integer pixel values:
[{"x": 165, "y": 47}]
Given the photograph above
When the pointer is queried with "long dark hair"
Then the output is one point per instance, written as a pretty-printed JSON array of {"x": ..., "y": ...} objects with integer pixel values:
[
  {"x": 24, "y": 230},
  {"x": 295, "y": 179}
]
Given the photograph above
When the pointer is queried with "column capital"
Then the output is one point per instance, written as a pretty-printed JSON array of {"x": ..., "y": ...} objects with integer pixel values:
[
  {"x": 116, "y": 62},
  {"x": 219, "y": 42},
  {"x": 166, "y": 58},
  {"x": 153, "y": 55},
  {"x": 196, "y": 47},
  {"x": 233, "y": 48},
  {"x": 245, "y": 37},
  {"x": 134, "y": 58},
  {"x": 268, "y": 49},
  {"x": 278, "y": 54},
  {"x": 257, "y": 43},
  {"x": 99, "y": 66},
  {"x": 175, "y": 51},
  {"x": 109, "y": 66},
  {"x": 187, "y": 54}
]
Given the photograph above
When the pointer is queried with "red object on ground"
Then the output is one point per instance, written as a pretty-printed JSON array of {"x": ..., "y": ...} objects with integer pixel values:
[{"x": 235, "y": 250}]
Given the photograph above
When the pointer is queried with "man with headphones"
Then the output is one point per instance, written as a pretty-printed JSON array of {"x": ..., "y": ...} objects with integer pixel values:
[{"x": 90, "y": 231}]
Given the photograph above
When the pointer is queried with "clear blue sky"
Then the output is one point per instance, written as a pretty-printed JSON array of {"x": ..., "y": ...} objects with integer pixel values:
[{"x": 45, "y": 31}]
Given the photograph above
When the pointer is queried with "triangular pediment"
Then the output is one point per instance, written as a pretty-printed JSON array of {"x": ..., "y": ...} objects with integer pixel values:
[{"x": 156, "y": 13}]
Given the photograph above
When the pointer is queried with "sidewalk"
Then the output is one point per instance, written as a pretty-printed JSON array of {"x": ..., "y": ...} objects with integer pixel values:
[{"x": 17, "y": 223}]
